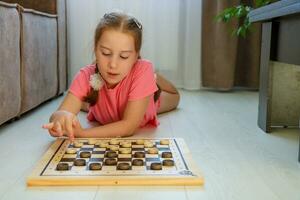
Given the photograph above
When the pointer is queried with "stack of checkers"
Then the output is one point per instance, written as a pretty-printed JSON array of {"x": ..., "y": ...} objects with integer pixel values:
[{"x": 117, "y": 154}]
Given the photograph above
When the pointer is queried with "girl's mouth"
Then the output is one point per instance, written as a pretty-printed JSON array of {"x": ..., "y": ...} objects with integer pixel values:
[{"x": 112, "y": 75}]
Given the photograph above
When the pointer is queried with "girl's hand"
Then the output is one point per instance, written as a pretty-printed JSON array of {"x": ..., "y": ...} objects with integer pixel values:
[
  {"x": 62, "y": 123},
  {"x": 77, "y": 129},
  {"x": 54, "y": 129}
]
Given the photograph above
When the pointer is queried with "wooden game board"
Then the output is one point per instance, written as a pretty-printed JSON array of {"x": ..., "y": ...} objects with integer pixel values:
[{"x": 184, "y": 171}]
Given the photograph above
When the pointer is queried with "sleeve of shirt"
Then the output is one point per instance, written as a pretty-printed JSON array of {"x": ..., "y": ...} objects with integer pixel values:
[
  {"x": 80, "y": 84},
  {"x": 143, "y": 83}
]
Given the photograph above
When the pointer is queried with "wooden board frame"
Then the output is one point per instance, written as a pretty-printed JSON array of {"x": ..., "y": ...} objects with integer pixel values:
[{"x": 191, "y": 176}]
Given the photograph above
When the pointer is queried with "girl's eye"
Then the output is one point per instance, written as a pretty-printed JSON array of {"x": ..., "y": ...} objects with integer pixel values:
[
  {"x": 105, "y": 54},
  {"x": 124, "y": 57}
]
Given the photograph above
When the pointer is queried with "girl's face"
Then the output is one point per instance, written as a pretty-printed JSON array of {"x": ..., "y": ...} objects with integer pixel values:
[{"x": 115, "y": 53}]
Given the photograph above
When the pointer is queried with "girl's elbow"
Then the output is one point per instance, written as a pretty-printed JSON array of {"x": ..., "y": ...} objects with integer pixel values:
[
  {"x": 129, "y": 131},
  {"x": 128, "y": 134}
]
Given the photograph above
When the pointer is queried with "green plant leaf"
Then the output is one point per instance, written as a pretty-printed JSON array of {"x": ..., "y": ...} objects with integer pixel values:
[
  {"x": 260, "y": 3},
  {"x": 240, "y": 12}
]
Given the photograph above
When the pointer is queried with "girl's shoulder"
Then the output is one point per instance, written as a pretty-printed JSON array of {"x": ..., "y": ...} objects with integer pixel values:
[
  {"x": 88, "y": 69},
  {"x": 142, "y": 65},
  {"x": 143, "y": 69}
]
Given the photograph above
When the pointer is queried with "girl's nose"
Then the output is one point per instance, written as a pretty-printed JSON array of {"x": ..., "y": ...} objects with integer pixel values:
[{"x": 113, "y": 62}]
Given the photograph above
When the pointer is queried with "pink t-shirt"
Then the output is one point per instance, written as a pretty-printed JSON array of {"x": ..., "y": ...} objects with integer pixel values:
[{"x": 111, "y": 104}]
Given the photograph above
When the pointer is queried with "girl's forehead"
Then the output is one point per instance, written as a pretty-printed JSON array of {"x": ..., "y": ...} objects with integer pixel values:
[
  {"x": 116, "y": 40},
  {"x": 116, "y": 34}
]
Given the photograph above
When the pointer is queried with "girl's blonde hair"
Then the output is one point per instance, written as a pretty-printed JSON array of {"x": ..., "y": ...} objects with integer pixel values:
[{"x": 120, "y": 22}]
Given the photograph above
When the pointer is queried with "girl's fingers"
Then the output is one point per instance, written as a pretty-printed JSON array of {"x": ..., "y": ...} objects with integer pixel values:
[
  {"x": 58, "y": 129},
  {"x": 74, "y": 122},
  {"x": 54, "y": 133},
  {"x": 64, "y": 126},
  {"x": 54, "y": 129},
  {"x": 69, "y": 129},
  {"x": 48, "y": 126}
]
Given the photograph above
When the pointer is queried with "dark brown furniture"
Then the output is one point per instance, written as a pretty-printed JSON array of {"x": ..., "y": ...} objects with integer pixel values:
[{"x": 280, "y": 43}]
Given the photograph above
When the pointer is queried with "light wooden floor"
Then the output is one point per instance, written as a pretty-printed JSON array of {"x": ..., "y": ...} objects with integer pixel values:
[{"x": 237, "y": 159}]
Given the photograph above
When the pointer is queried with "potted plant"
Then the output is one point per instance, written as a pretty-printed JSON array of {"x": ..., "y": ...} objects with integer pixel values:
[{"x": 240, "y": 13}]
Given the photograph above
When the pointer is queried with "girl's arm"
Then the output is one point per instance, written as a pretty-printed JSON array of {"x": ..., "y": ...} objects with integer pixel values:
[
  {"x": 133, "y": 116},
  {"x": 71, "y": 103}
]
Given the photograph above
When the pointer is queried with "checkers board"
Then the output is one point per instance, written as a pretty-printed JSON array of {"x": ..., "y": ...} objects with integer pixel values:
[{"x": 175, "y": 167}]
